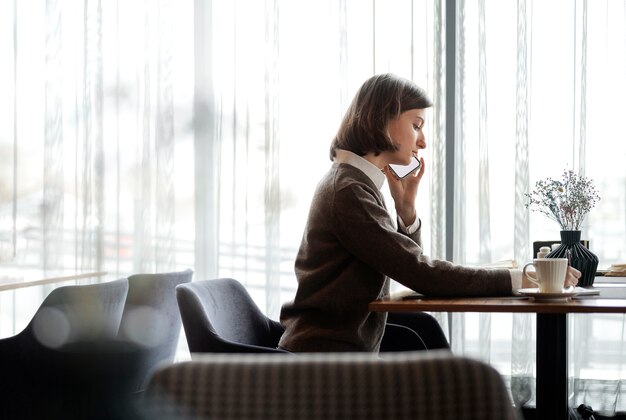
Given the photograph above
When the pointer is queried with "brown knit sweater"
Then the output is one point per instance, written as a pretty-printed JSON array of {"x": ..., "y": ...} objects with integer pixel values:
[{"x": 349, "y": 250}]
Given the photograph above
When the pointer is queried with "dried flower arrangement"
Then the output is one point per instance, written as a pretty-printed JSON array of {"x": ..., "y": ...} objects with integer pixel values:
[{"x": 567, "y": 201}]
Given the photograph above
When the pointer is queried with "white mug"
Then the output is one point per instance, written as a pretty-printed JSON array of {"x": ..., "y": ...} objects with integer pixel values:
[{"x": 550, "y": 272}]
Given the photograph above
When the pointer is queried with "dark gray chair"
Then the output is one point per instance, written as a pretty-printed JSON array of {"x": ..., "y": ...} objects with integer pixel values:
[
  {"x": 411, "y": 331},
  {"x": 219, "y": 316},
  {"x": 151, "y": 317},
  {"x": 400, "y": 338},
  {"x": 36, "y": 365}
]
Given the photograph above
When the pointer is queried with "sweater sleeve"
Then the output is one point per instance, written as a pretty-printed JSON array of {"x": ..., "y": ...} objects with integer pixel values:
[{"x": 365, "y": 229}]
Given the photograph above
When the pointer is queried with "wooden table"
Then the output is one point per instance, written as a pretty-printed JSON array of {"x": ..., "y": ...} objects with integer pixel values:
[{"x": 551, "y": 330}]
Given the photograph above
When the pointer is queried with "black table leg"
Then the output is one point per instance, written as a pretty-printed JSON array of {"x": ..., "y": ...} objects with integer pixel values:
[{"x": 552, "y": 366}]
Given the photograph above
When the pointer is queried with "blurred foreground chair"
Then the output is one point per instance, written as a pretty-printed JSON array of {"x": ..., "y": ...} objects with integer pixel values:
[
  {"x": 219, "y": 316},
  {"x": 36, "y": 373},
  {"x": 329, "y": 386},
  {"x": 151, "y": 318}
]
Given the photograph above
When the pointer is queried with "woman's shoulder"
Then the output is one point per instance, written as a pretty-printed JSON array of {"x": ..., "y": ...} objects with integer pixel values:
[
  {"x": 346, "y": 185},
  {"x": 345, "y": 176}
]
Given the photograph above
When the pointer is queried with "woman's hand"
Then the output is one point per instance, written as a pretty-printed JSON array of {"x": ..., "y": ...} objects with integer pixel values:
[
  {"x": 571, "y": 277},
  {"x": 404, "y": 191}
]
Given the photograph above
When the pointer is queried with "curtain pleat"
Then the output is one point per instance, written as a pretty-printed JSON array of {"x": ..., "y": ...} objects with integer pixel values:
[
  {"x": 452, "y": 324},
  {"x": 92, "y": 153},
  {"x": 460, "y": 170},
  {"x": 11, "y": 254},
  {"x": 117, "y": 234},
  {"x": 78, "y": 69},
  {"x": 373, "y": 36},
  {"x": 522, "y": 350},
  {"x": 437, "y": 167},
  {"x": 206, "y": 144},
  {"x": 8, "y": 136},
  {"x": 165, "y": 246},
  {"x": 457, "y": 322},
  {"x": 15, "y": 138},
  {"x": 521, "y": 237},
  {"x": 145, "y": 214},
  {"x": 343, "y": 53},
  {"x": 272, "y": 157},
  {"x": 580, "y": 87},
  {"x": 484, "y": 196},
  {"x": 53, "y": 200},
  {"x": 238, "y": 251}
]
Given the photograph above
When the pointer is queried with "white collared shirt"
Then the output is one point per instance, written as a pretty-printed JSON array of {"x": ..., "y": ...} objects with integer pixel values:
[
  {"x": 368, "y": 168},
  {"x": 378, "y": 178}
]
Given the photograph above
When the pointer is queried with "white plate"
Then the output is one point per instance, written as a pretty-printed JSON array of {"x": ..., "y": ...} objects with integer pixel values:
[{"x": 537, "y": 295}]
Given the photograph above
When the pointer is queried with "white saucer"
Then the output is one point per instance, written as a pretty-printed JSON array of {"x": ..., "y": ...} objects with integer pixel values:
[{"x": 537, "y": 295}]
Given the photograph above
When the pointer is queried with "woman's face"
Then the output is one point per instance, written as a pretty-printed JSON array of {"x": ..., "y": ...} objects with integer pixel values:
[{"x": 406, "y": 133}]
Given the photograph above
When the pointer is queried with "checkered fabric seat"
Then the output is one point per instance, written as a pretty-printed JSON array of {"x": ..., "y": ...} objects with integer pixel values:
[{"x": 408, "y": 385}]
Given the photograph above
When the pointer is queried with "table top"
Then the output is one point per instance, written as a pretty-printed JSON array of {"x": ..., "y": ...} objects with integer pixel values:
[
  {"x": 612, "y": 299},
  {"x": 39, "y": 278}
]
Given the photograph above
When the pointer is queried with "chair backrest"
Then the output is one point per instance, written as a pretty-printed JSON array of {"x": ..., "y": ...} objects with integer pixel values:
[
  {"x": 330, "y": 386},
  {"x": 77, "y": 314},
  {"x": 220, "y": 316},
  {"x": 33, "y": 365},
  {"x": 151, "y": 317}
]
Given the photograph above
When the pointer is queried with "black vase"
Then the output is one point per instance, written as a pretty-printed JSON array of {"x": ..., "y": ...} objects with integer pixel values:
[{"x": 579, "y": 256}]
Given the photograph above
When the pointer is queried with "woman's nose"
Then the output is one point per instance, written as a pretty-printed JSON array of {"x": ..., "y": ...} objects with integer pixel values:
[{"x": 421, "y": 142}]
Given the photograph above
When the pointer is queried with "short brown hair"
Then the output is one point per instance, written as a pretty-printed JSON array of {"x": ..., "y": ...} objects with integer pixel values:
[{"x": 379, "y": 99}]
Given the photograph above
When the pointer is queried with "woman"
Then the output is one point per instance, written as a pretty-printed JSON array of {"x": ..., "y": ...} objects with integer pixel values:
[{"x": 350, "y": 245}]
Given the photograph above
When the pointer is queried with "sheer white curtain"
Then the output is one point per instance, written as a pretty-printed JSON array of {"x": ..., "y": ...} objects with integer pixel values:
[
  {"x": 542, "y": 91},
  {"x": 96, "y": 141}
]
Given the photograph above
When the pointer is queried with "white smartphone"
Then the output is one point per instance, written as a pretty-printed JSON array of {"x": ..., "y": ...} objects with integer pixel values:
[{"x": 401, "y": 171}]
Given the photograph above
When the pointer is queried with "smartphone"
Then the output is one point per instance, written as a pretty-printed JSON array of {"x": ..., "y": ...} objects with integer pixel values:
[{"x": 401, "y": 171}]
